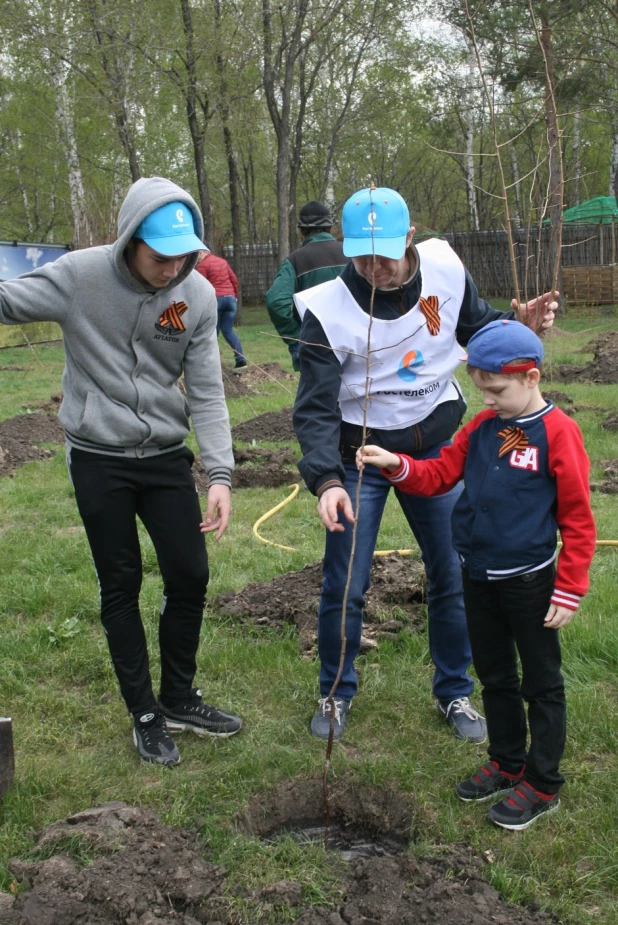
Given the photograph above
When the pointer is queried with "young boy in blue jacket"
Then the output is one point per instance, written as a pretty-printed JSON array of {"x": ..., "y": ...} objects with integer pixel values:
[{"x": 525, "y": 475}]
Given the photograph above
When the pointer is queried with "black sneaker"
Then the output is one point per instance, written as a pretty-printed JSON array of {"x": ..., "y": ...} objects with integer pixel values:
[
  {"x": 154, "y": 743},
  {"x": 464, "y": 720},
  {"x": 240, "y": 363},
  {"x": 200, "y": 718},
  {"x": 520, "y": 808},
  {"x": 320, "y": 724},
  {"x": 488, "y": 782}
]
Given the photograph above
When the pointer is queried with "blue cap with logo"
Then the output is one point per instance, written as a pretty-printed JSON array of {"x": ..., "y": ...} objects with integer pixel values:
[
  {"x": 495, "y": 346},
  {"x": 375, "y": 221},
  {"x": 170, "y": 231}
]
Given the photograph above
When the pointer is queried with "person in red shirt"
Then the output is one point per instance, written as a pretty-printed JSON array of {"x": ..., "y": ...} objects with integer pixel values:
[
  {"x": 220, "y": 275},
  {"x": 525, "y": 473}
]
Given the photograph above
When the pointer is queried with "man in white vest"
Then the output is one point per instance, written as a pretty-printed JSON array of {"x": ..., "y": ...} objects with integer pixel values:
[{"x": 379, "y": 345}]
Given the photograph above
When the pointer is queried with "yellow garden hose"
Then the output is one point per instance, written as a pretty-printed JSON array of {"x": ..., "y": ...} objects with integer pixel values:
[
  {"x": 382, "y": 552},
  {"x": 295, "y": 489}
]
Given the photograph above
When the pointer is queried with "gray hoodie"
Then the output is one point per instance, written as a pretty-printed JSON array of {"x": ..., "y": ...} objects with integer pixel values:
[{"x": 124, "y": 354}]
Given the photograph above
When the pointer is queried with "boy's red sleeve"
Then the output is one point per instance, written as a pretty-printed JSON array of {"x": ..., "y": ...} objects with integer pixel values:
[
  {"x": 570, "y": 466},
  {"x": 436, "y": 476}
]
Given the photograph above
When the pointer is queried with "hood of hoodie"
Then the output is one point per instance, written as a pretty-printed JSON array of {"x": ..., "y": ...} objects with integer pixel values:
[{"x": 144, "y": 196}]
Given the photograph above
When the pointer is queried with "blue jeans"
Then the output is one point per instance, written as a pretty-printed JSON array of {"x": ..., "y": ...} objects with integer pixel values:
[
  {"x": 430, "y": 521},
  {"x": 227, "y": 306}
]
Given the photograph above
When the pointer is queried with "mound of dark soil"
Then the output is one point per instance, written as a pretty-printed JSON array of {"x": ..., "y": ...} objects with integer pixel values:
[
  {"x": 255, "y": 467},
  {"x": 293, "y": 598},
  {"x": 273, "y": 425},
  {"x": 604, "y": 367},
  {"x": 561, "y": 400},
  {"x": 267, "y": 372},
  {"x": 609, "y": 485},
  {"x": 20, "y": 436},
  {"x": 234, "y": 385},
  {"x": 240, "y": 382},
  {"x": 145, "y": 873},
  {"x": 52, "y": 404},
  {"x": 267, "y": 468}
]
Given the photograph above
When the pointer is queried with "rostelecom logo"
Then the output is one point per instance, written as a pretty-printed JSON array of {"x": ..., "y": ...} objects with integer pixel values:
[
  {"x": 170, "y": 322},
  {"x": 411, "y": 359}
]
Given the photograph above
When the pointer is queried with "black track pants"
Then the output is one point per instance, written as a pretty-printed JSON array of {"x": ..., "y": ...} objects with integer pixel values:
[
  {"x": 505, "y": 619},
  {"x": 111, "y": 493}
]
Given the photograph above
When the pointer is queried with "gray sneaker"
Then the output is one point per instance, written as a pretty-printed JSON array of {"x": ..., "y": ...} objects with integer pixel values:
[
  {"x": 320, "y": 724},
  {"x": 199, "y": 717},
  {"x": 152, "y": 740},
  {"x": 463, "y": 719}
]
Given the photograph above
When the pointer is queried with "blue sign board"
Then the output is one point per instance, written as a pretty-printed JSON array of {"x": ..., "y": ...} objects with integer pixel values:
[{"x": 16, "y": 259}]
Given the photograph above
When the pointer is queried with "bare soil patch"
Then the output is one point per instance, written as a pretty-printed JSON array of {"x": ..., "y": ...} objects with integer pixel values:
[
  {"x": 234, "y": 385},
  {"x": 256, "y": 467},
  {"x": 267, "y": 372},
  {"x": 146, "y": 873},
  {"x": 238, "y": 383},
  {"x": 273, "y": 425},
  {"x": 561, "y": 400},
  {"x": 20, "y": 438},
  {"x": 296, "y": 804},
  {"x": 396, "y": 581},
  {"x": 609, "y": 485},
  {"x": 566, "y": 404},
  {"x": 52, "y": 404},
  {"x": 604, "y": 367}
]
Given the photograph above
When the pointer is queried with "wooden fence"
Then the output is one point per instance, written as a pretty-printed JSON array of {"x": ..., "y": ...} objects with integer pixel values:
[
  {"x": 485, "y": 254},
  {"x": 258, "y": 267}
]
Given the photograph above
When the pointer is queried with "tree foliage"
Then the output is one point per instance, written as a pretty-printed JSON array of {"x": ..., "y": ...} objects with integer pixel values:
[{"x": 256, "y": 106}]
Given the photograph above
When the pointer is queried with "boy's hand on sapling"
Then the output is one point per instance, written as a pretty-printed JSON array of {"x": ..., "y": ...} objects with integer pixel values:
[{"x": 376, "y": 456}]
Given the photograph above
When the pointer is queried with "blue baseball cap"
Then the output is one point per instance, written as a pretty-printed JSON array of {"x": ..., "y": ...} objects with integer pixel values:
[
  {"x": 498, "y": 343},
  {"x": 375, "y": 221},
  {"x": 170, "y": 231}
]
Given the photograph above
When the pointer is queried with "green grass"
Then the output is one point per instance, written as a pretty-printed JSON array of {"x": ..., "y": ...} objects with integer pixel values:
[{"x": 72, "y": 734}]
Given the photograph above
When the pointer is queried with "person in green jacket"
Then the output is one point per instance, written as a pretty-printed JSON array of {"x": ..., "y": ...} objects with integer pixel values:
[{"x": 319, "y": 258}]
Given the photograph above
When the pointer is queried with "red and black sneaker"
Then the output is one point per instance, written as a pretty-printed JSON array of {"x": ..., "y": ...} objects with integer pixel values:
[
  {"x": 489, "y": 781},
  {"x": 521, "y": 807}
]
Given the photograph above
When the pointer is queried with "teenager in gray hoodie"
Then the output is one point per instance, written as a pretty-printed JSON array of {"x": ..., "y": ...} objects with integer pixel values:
[{"x": 135, "y": 318}]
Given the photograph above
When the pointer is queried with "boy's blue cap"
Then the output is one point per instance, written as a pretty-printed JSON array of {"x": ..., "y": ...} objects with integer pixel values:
[
  {"x": 498, "y": 343},
  {"x": 375, "y": 221},
  {"x": 170, "y": 231}
]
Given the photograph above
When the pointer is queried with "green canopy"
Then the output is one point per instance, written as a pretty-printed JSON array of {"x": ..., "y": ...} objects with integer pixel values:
[{"x": 601, "y": 209}]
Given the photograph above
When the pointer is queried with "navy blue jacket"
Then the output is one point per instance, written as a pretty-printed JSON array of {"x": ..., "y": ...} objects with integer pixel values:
[{"x": 505, "y": 521}]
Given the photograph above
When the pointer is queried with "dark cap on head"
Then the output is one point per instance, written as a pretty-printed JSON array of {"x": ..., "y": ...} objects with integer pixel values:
[{"x": 315, "y": 214}]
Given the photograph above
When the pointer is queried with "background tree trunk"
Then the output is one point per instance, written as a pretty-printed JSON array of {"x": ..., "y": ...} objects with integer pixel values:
[{"x": 59, "y": 71}]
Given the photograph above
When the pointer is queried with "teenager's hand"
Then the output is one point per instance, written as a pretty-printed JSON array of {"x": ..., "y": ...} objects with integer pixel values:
[
  {"x": 331, "y": 502},
  {"x": 218, "y": 511},
  {"x": 558, "y": 616},
  {"x": 376, "y": 456},
  {"x": 538, "y": 313}
]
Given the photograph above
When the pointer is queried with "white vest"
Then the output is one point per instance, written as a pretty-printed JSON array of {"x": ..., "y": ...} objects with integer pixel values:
[{"x": 410, "y": 371}]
